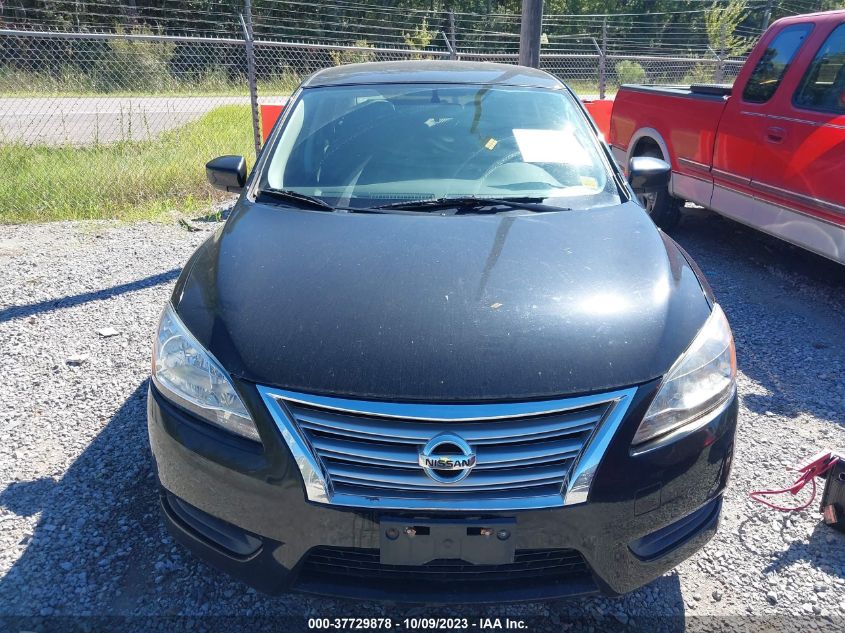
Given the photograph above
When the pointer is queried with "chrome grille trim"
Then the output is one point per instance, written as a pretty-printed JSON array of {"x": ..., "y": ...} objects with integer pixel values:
[
  {"x": 415, "y": 433},
  {"x": 358, "y": 453}
]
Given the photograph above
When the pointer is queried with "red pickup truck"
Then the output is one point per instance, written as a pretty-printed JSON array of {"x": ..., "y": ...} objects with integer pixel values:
[{"x": 768, "y": 152}]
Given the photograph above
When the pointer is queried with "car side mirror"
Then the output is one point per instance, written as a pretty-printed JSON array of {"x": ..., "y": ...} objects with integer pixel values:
[
  {"x": 227, "y": 173},
  {"x": 648, "y": 174}
]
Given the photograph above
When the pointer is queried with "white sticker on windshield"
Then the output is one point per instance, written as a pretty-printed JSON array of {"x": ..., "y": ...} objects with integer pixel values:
[{"x": 551, "y": 146}]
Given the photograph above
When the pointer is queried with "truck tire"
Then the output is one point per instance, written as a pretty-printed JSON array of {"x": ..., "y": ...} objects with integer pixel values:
[{"x": 664, "y": 210}]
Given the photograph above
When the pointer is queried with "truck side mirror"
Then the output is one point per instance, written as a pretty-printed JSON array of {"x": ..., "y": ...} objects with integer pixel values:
[
  {"x": 227, "y": 173},
  {"x": 648, "y": 174}
]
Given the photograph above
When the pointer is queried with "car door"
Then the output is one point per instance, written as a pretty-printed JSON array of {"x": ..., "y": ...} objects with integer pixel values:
[
  {"x": 742, "y": 123},
  {"x": 801, "y": 161}
]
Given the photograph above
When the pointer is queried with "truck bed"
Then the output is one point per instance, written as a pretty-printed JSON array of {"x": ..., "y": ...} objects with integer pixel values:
[{"x": 681, "y": 120}]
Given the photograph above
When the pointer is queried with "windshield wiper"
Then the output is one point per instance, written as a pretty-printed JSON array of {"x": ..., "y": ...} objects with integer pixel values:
[
  {"x": 294, "y": 196},
  {"x": 464, "y": 203}
]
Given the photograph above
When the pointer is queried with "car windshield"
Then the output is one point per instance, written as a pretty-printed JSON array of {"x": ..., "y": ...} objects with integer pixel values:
[{"x": 372, "y": 145}]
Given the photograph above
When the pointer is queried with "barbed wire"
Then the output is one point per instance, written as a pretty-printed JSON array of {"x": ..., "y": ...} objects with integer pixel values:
[
  {"x": 677, "y": 29},
  {"x": 348, "y": 21}
]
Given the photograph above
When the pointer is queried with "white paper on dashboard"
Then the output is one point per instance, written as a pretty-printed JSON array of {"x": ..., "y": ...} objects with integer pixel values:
[{"x": 550, "y": 146}]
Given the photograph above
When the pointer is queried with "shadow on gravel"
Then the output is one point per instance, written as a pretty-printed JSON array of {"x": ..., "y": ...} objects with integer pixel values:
[
  {"x": 98, "y": 526},
  {"x": 787, "y": 310},
  {"x": 20, "y": 312},
  {"x": 99, "y": 558},
  {"x": 824, "y": 549},
  {"x": 26, "y": 498}
]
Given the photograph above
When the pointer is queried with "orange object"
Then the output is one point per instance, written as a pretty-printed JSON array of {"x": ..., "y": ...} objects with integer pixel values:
[
  {"x": 600, "y": 110},
  {"x": 270, "y": 113}
]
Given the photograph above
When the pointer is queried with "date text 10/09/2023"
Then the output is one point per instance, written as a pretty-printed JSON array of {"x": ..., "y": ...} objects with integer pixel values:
[{"x": 417, "y": 624}]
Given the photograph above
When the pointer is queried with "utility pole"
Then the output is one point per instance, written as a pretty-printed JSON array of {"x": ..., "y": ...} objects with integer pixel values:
[
  {"x": 530, "y": 33},
  {"x": 767, "y": 15}
]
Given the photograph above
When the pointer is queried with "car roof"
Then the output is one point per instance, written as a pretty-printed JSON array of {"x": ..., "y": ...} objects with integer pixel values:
[{"x": 432, "y": 71}]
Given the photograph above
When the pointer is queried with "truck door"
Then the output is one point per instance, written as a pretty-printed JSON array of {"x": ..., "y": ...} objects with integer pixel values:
[
  {"x": 742, "y": 122},
  {"x": 801, "y": 161}
]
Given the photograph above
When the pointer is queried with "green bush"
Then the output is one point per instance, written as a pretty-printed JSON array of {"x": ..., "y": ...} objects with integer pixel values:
[
  {"x": 628, "y": 72},
  {"x": 283, "y": 83},
  {"x": 700, "y": 74},
  {"x": 419, "y": 39},
  {"x": 14, "y": 82},
  {"x": 135, "y": 66},
  {"x": 103, "y": 79},
  {"x": 352, "y": 56}
]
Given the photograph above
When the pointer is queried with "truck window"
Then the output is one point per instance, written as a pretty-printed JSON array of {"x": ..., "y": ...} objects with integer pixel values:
[
  {"x": 823, "y": 86},
  {"x": 771, "y": 68}
]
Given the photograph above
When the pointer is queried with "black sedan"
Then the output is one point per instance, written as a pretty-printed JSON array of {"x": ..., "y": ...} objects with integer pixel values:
[{"x": 439, "y": 352}]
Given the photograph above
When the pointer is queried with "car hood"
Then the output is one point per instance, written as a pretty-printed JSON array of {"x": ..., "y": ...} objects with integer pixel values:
[{"x": 437, "y": 308}]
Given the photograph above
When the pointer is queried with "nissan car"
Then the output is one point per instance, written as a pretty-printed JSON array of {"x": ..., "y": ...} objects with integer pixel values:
[{"x": 439, "y": 352}]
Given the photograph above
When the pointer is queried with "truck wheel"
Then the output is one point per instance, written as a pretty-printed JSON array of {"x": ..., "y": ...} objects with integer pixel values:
[{"x": 665, "y": 211}]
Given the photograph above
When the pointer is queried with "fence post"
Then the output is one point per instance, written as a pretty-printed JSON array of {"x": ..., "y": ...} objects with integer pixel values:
[
  {"x": 453, "y": 48},
  {"x": 767, "y": 15},
  {"x": 250, "y": 70},
  {"x": 603, "y": 60},
  {"x": 450, "y": 37},
  {"x": 720, "y": 66}
]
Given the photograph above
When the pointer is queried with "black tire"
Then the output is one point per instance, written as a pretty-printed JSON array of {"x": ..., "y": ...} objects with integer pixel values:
[{"x": 664, "y": 210}]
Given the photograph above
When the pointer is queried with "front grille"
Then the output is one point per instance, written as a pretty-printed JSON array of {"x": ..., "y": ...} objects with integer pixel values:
[
  {"x": 340, "y": 563},
  {"x": 517, "y": 457},
  {"x": 367, "y": 453}
]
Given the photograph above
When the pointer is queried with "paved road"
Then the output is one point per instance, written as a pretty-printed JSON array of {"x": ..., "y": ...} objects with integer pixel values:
[{"x": 81, "y": 121}]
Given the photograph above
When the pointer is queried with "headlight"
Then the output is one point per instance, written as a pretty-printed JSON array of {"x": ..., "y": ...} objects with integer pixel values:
[
  {"x": 699, "y": 381},
  {"x": 190, "y": 376}
]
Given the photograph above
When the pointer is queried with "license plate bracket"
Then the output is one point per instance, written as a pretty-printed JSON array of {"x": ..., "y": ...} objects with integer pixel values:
[{"x": 413, "y": 541}]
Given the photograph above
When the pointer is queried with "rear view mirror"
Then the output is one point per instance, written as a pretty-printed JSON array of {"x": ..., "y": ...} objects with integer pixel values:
[
  {"x": 227, "y": 173},
  {"x": 648, "y": 175}
]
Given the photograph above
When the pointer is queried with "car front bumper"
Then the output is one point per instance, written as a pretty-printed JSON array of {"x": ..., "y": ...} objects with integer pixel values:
[{"x": 242, "y": 508}]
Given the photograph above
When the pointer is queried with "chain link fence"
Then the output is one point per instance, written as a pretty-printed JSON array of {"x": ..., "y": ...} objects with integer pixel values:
[
  {"x": 86, "y": 89},
  {"x": 136, "y": 115}
]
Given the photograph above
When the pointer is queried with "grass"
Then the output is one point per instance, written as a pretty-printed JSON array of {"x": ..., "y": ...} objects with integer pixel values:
[
  {"x": 69, "y": 82},
  {"x": 131, "y": 180},
  {"x": 590, "y": 88}
]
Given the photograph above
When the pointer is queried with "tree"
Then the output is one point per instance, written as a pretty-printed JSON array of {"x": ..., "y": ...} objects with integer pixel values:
[
  {"x": 721, "y": 23},
  {"x": 420, "y": 38}
]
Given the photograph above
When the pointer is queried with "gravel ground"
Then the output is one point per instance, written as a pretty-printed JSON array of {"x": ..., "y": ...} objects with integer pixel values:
[{"x": 80, "y": 533}]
